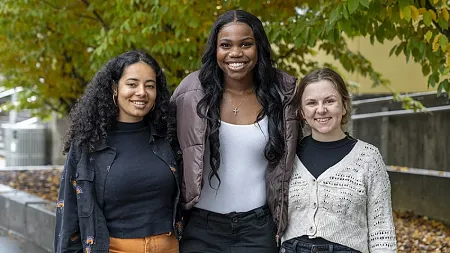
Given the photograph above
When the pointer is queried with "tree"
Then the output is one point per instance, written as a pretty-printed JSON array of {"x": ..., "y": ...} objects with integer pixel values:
[{"x": 52, "y": 48}]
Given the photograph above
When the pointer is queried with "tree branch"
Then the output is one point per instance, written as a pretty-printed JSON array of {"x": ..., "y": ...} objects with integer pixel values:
[
  {"x": 429, "y": 6},
  {"x": 166, "y": 65},
  {"x": 52, "y": 107},
  {"x": 86, "y": 16},
  {"x": 73, "y": 70},
  {"x": 51, "y": 5},
  {"x": 289, "y": 52},
  {"x": 97, "y": 16}
]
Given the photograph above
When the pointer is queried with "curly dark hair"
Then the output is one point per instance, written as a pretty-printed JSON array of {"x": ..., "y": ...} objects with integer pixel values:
[
  {"x": 95, "y": 112},
  {"x": 266, "y": 88}
]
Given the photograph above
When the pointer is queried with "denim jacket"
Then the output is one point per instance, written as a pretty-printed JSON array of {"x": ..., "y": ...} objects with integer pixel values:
[{"x": 80, "y": 223}]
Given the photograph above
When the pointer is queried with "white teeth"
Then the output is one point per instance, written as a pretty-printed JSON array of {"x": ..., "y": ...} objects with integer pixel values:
[
  {"x": 323, "y": 120},
  {"x": 138, "y": 103},
  {"x": 236, "y": 65}
]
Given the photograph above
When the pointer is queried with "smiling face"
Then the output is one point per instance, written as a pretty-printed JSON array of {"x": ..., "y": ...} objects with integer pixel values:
[
  {"x": 236, "y": 53},
  {"x": 136, "y": 92},
  {"x": 323, "y": 109}
]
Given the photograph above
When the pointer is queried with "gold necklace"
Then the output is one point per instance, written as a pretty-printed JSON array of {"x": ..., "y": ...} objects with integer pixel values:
[{"x": 236, "y": 108}]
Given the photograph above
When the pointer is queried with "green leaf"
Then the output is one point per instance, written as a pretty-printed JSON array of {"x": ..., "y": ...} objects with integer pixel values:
[
  {"x": 364, "y": 3},
  {"x": 431, "y": 81},
  {"x": 334, "y": 16},
  {"x": 427, "y": 18},
  {"x": 345, "y": 11},
  {"x": 407, "y": 13},
  {"x": 445, "y": 71},
  {"x": 443, "y": 42},
  {"x": 443, "y": 23},
  {"x": 422, "y": 48},
  {"x": 402, "y": 4},
  {"x": 400, "y": 48},
  {"x": 426, "y": 69},
  {"x": 392, "y": 50},
  {"x": 428, "y": 36},
  {"x": 382, "y": 14},
  {"x": 352, "y": 5},
  {"x": 443, "y": 86}
]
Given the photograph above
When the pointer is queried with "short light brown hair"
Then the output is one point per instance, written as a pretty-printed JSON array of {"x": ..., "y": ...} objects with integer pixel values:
[{"x": 334, "y": 78}]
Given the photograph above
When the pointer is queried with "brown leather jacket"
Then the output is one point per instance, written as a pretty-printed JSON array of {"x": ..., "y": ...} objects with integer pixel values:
[{"x": 191, "y": 131}]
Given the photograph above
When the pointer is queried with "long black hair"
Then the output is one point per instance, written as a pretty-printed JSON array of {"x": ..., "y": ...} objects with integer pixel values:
[
  {"x": 95, "y": 112},
  {"x": 266, "y": 89}
]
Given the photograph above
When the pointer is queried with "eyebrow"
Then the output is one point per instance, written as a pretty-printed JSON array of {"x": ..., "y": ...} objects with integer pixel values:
[
  {"x": 327, "y": 97},
  {"x": 246, "y": 38},
  {"x": 135, "y": 79}
]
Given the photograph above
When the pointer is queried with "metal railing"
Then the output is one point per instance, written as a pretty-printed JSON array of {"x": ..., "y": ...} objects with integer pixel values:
[
  {"x": 385, "y": 112},
  {"x": 387, "y": 98},
  {"x": 398, "y": 112},
  {"x": 416, "y": 171}
]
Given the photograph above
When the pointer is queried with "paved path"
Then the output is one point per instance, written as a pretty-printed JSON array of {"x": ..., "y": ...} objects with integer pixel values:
[
  {"x": 9, "y": 244},
  {"x": 14, "y": 244}
]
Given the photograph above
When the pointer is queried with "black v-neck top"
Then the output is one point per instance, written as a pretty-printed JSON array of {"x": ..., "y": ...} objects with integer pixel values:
[{"x": 318, "y": 156}]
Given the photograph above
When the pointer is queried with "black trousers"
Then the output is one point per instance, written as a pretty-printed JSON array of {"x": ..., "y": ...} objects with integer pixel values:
[
  {"x": 245, "y": 232},
  {"x": 296, "y": 245}
]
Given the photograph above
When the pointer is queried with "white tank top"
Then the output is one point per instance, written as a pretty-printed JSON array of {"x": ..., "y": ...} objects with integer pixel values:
[{"x": 242, "y": 169}]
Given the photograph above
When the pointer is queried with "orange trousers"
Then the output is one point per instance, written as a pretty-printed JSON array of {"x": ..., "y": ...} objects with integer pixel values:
[{"x": 151, "y": 244}]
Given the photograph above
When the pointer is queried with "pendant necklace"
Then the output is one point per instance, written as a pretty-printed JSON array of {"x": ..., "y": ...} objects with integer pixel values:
[{"x": 236, "y": 108}]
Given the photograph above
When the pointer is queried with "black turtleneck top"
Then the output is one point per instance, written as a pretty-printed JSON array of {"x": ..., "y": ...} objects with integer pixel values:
[{"x": 140, "y": 187}]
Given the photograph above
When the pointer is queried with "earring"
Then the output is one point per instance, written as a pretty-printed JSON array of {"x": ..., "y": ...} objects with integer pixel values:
[{"x": 114, "y": 97}]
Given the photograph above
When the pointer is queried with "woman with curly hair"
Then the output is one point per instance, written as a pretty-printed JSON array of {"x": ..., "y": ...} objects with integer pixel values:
[
  {"x": 237, "y": 132},
  {"x": 119, "y": 189}
]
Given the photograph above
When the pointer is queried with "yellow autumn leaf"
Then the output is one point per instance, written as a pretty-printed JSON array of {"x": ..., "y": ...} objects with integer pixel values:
[
  {"x": 422, "y": 11},
  {"x": 448, "y": 55},
  {"x": 445, "y": 13},
  {"x": 401, "y": 14},
  {"x": 415, "y": 12},
  {"x": 436, "y": 1},
  {"x": 436, "y": 43},
  {"x": 448, "y": 58},
  {"x": 433, "y": 15}
]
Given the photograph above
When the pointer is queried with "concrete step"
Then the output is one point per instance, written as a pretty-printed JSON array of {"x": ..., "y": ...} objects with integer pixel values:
[{"x": 27, "y": 217}]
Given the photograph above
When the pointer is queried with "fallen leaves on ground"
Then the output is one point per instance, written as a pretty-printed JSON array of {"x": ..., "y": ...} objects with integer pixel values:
[
  {"x": 415, "y": 234},
  {"x": 42, "y": 183},
  {"x": 420, "y": 234}
]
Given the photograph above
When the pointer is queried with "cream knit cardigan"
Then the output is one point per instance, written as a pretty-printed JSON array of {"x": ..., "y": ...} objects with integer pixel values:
[{"x": 349, "y": 204}]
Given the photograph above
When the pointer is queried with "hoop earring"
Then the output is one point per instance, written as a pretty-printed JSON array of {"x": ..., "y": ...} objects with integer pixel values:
[{"x": 114, "y": 98}]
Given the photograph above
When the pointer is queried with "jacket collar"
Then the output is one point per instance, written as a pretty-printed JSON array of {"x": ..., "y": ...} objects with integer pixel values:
[{"x": 287, "y": 86}]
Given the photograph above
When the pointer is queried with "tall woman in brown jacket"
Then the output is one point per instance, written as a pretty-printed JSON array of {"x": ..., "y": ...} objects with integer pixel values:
[{"x": 237, "y": 132}]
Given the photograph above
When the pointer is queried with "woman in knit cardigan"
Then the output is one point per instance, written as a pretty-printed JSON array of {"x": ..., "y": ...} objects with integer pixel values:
[{"x": 339, "y": 192}]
